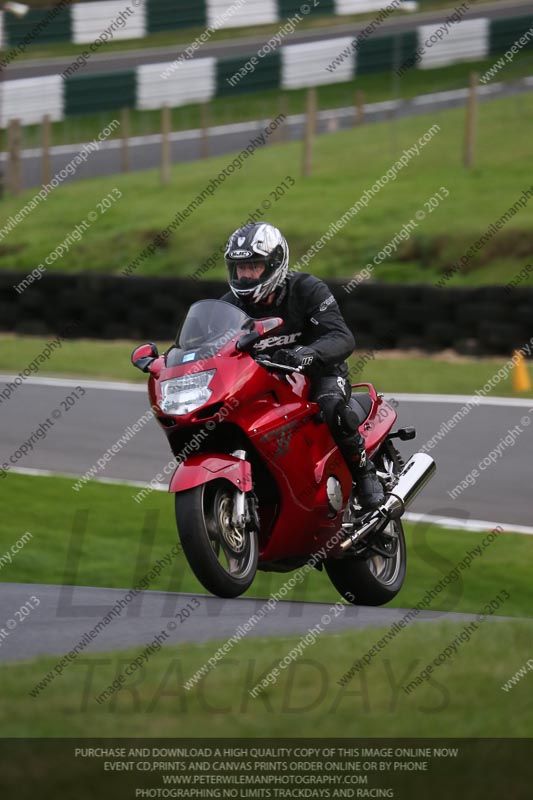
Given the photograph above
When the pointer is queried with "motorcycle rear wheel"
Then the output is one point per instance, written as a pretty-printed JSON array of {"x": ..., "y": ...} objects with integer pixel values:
[
  {"x": 223, "y": 559},
  {"x": 373, "y": 580}
]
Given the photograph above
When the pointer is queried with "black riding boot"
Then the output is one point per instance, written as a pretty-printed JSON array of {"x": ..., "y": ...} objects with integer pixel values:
[{"x": 368, "y": 487}]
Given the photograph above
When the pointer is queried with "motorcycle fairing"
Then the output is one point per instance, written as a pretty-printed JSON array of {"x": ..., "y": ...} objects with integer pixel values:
[{"x": 204, "y": 467}]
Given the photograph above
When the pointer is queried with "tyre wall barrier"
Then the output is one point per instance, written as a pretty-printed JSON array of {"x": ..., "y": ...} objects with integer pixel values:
[{"x": 492, "y": 320}]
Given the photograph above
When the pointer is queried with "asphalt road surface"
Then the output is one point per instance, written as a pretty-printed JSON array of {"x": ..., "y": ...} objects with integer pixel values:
[
  {"x": 80, "y": 436},
  {"x": 61, "y": 619}
]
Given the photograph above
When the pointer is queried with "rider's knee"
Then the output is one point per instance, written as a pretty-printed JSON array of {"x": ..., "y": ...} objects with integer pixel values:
[
  {"x": 338, "y": 416},
  {"x": 329, "y": 406}
]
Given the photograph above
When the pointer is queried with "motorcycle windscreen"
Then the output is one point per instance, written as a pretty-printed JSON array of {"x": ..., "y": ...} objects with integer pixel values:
[{"x": 208, "y": 326}]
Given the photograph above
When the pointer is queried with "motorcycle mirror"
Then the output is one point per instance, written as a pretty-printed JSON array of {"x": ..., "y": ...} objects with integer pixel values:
[
  {"x": 144, "y": 355},
  {"x": 246, "y": 342}
]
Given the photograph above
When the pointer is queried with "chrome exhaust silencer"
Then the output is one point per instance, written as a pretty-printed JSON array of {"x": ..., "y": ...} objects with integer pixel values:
[
  {"x": 414, "y": 476},
  {"x": 412, "y": 479}
]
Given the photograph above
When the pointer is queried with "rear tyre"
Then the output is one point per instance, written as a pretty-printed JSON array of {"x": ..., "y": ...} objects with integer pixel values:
[
  {"x": 223, "y": 558},
  {"x": 373, "y": 579}
]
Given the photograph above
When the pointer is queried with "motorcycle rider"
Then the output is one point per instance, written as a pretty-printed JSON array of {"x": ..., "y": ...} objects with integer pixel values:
[{"x": 314, "y": 336}]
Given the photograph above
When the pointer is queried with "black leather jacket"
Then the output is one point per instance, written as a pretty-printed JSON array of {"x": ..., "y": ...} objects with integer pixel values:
[{"x": 311, "y": 317}]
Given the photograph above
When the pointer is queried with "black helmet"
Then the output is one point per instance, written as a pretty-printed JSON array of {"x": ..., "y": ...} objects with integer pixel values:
[{"x": 257, "y": 243}]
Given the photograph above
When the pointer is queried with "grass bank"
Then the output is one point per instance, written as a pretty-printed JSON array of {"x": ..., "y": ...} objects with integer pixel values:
[
  {"x": 476, "y": 198},
  {"x": 112, "y": 534},
  {"x": 462, "y": 698}
]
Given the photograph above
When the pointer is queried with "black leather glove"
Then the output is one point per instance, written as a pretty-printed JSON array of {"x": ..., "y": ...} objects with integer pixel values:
[{"x": 296, "y": 357}]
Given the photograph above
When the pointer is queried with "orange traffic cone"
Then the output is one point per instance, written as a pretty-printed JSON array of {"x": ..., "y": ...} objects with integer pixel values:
[{"x": 521, "y": 380}]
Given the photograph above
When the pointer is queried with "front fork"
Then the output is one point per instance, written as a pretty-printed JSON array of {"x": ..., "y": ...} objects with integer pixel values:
[
  {"x": 245, "y": 513},
  {"x": 239, "y": 502}
]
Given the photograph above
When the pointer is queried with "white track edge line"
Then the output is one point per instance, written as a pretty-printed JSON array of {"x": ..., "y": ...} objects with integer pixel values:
[
  {"x": 408, "y": 397},
  {"x": 117, "y": 386},
  {"x": 441, "y": 522}
]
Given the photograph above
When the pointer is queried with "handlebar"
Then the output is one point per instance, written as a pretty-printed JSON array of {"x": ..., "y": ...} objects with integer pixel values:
[{"x": 270, "y": 365}]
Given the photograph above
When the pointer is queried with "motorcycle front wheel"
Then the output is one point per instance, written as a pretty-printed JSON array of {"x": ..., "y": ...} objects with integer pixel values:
[{"x": 223, "y": 558}]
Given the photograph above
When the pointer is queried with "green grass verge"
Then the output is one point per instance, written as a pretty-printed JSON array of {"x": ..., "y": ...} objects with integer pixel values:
[
  {"x": 462, "y": 698},
  {"x": 478, "y": 198},
  {"x": 83, "y": 358},
  {"x": 422, "y": 375},
  {"x": 105, "y": 360},
  {"x": 115, "y": 551}
]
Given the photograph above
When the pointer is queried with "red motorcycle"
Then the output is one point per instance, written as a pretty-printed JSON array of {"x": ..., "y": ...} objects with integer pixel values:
[{"x": 260, "y": 483}]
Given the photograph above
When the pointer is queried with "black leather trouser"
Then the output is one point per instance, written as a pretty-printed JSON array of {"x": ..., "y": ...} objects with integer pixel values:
[{"x": 332, "y": 394}]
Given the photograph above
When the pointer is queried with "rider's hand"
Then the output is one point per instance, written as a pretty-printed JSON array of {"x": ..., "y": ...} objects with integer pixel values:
[{"x": 295, "y": 357}]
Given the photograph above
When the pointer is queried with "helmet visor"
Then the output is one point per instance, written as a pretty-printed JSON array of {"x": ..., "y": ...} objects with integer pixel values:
[{"x": 247, "y": 274}]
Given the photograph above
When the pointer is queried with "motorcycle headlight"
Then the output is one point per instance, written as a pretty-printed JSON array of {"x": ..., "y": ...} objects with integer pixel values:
[{"x": 182, "y": 395}]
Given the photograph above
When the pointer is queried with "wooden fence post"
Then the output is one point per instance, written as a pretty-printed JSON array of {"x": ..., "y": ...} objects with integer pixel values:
[
  {"x": 14, "y": 162},
  {"x": 470, "y": 123},
  {"x": 359, "y": 116},
  {"x": 204, "y": 141},
  {"x": 310, "y": 131},
  {"x": 280, "y": 134},
  {"x": 165, "y": 144},
  {"x": 46, "y": 173},
  {"x": 125, "y": 139}
]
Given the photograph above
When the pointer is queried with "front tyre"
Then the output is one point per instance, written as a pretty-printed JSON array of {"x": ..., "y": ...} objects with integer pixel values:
[
  {"x": 372, "y": 579},
  {"x": 223, "y": 558}
]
